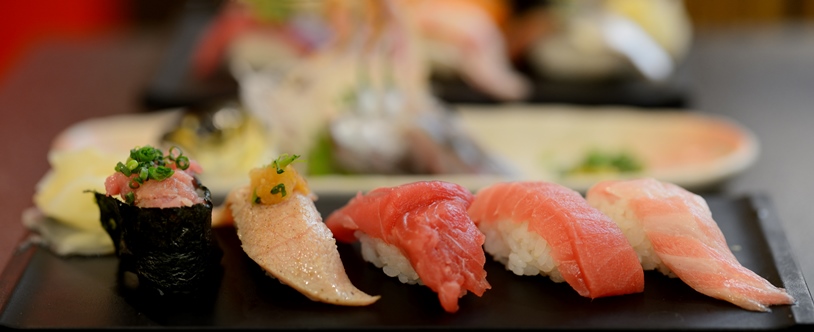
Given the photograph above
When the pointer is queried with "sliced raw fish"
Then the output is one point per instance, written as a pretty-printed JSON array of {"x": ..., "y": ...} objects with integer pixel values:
[
  {"x": 424, "y": 223},
  {"x": 560, "y": 230},
  {"x": 681, "y": 238},
  {"x": 292, "y": 244}
]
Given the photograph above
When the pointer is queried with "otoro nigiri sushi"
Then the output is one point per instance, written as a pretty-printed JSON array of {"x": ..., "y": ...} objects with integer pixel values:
[
  {"x": 419, "y": 232},
  {"x": 544, "y": 228},
  {"x": 281, "y": 230},
  {"x": 673, "y": 231}
]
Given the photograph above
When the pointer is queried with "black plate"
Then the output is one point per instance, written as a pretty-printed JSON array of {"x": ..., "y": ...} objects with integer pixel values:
[{"x": 41, "y": 290}]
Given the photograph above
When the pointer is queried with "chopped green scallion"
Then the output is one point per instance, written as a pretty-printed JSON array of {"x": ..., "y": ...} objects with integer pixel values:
[
  {"x": 182, "y": 162},
  {"x": 279, "y": 189},
  {"x": 132, "y": 164},
  {"x": 172, "y": 153},
  {"x": 149, "y": 164},
  {"x": 284, "y": 160},
  {"x": 122, "y": 168},
  {"x": 129, "y": 198},
  {"x": 160, "y": 173},
  {"x": 143, "y": 173}
]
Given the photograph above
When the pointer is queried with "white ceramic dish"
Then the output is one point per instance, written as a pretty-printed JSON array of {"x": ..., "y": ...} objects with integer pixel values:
[{"x": 692, "y": 149}]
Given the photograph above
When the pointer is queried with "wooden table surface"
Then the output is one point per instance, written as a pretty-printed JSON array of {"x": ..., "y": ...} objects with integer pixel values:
[
  {"x": 55, "y": 85},
  {"x": 762, "y": 76}
]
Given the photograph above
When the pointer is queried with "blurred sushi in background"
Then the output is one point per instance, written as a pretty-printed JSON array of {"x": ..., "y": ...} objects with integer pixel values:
[
  {"x": 591, "y": 41},
  {"x": 347, "y": 82},
  {"x": 359, "y": 86}
]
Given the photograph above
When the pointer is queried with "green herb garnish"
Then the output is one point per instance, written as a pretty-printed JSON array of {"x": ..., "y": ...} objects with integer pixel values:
[
  {"x": 596, "y": 162},
  {"x": 129, "y": 198},
  {"x": 255, "y": 198},
  {"x": 279, "y": 189},
  {"x": 282, "y": 161},
  {"x": 149, "y": 163}
]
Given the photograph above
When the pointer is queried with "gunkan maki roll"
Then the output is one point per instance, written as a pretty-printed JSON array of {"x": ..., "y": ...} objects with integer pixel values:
[{"x": 159, "y": 217}]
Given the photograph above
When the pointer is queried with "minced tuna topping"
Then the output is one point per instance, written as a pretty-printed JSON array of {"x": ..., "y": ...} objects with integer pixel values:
[{"x": 148, "y": 178}]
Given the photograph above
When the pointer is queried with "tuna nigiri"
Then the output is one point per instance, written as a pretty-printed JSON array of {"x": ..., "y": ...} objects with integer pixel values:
[
  {"x": 548, "y": 229},
  {"x": 281, "y": 230},
  {"x": 419, "y": 232},
  {"x": 673, "y": 231}
]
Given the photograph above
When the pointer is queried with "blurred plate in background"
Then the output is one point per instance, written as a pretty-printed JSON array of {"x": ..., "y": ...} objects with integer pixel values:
[
  {"x": 577, "y": 146},
  {"x": 572, "y": 145}
]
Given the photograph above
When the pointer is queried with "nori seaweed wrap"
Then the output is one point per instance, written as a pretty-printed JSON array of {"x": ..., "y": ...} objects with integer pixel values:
[{"x": 171, "y": 250}]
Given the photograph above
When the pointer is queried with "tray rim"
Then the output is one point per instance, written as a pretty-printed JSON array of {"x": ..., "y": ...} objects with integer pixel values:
[
  {"x": 15, "y": 268},
  {"x": 787, "y": 266}
]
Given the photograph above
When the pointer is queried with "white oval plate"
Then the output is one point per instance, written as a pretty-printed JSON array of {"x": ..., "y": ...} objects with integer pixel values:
[{"x": 691, "y": 149}]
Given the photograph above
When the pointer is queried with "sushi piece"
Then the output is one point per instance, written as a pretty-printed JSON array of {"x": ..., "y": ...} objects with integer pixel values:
[
  {"x": 542, "y": 228},
  {"x": 673, "y": 231},
  {"x": 420, "y": 233},
  {"x": 159, "y": 217},
  {"x": 280, "y": 229}
]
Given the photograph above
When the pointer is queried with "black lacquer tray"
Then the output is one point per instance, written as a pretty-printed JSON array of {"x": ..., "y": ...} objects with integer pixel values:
[{"x": 41, "y": 290}]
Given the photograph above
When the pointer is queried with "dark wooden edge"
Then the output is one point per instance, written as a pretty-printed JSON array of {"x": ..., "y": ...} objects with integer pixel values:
[
  {"x": 14, "y": 269},
  {"x": 787, "y": 267}
]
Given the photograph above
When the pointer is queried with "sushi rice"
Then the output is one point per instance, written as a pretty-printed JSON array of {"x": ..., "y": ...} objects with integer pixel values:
[
  {"x": 636, "y": 236},
  {"x": 521, "y": 251},
  {"x": 388, "y": 258}
]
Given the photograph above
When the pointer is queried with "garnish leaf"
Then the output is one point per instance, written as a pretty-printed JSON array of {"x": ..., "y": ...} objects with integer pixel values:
[
  {"x": 282, "y": 161},
  {"x": 597, "y": 161},
  {"x": 149, "y": 163},
  {"x": 160, "y": 173},
  {"x": 279, "y": 189},
  {"x": 255, "y": 198}
]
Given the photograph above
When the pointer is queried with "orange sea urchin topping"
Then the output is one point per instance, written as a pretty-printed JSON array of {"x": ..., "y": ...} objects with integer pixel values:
[{"x": 276, "y": 181}]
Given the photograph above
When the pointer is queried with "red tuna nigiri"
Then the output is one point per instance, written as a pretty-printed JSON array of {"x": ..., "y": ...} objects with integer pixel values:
[
  {"x": 548, "y": 229},
  {"x": 421, "y": 232}
]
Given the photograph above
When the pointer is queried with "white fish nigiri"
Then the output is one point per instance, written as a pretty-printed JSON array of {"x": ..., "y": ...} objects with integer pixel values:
[{"x": 674, "y": 232}]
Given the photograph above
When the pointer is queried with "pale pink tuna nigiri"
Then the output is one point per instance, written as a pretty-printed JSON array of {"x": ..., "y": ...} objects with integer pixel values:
[
  {"x": 544, "y": 228},
  {"x": 673, "y": 231},
  {"x": 421, "y": 233},
  {"x": 177, "y": 190}
]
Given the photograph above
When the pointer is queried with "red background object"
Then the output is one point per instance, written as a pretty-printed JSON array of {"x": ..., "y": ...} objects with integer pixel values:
[{"x": 25, "y": 23}]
